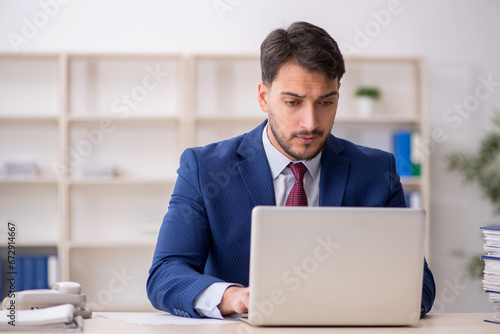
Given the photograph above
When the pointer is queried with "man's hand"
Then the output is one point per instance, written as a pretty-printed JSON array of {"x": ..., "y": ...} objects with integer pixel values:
[{"x": 235, "y": 299}]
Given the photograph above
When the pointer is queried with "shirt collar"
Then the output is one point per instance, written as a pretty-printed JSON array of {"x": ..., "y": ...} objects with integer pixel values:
[{"x": 278, "y": 162}]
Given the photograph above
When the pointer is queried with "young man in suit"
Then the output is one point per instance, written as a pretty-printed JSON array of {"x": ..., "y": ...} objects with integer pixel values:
[{"x": 200, "y": 266}]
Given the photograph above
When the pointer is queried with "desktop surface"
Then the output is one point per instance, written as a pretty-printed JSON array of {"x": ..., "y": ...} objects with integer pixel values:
[
  {"x": 441, "y": 323},
  {"x": 445, "y": 323}
]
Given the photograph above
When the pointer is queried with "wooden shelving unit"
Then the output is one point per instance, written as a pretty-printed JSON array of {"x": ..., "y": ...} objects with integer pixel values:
[{"x": 138, "y": 113}]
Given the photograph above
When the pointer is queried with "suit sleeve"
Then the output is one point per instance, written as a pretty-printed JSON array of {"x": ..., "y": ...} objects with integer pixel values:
[
  {"x": 176, "y": 275},
  {"x": 429, "y": 290},
  {"x": 397, "y": 199},
  {"x": 397, "y": 195}
]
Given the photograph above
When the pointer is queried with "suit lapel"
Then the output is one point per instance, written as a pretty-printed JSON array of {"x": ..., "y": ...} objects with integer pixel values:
[
  {"x": 254, "y": 168},
  {"x": 256, "y": 174},
  {"x": 334, "y": 174}
]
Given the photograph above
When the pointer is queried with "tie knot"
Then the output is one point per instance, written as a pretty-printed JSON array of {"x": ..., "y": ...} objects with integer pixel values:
[{"x": 298, "y": 170}]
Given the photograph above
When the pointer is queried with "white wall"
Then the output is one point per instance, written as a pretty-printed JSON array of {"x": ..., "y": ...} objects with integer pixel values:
[{"x": 459, "y": 38}]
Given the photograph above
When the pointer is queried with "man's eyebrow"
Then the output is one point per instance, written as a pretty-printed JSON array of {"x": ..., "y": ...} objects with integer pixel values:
[
  {"x": 293, "y": 94},
  {"x": 329, "y": 94},
  {"x": 303, "y": 96}
]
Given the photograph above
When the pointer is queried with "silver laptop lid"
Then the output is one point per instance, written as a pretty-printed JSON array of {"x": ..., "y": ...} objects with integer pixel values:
[{"x": 336, "y": 266}]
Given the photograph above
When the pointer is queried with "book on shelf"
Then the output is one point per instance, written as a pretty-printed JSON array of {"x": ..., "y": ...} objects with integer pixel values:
[
  {"x": 20, "y": 169},
  {"x": 416, "y": 153},
  {"x": 407, "y": 152},
  {"x": 414, "y": 200},
  {"x": 491, "y": 277},
  {"x": 34, "y": 271},
  {"x": 149, "y": 231},
  {"x": 98, "y": 170}
]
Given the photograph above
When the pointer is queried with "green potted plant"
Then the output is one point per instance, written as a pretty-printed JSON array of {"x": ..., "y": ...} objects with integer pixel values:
[
  {"x": 365, "y": 100},
  {"x": 483, "y": 168}
]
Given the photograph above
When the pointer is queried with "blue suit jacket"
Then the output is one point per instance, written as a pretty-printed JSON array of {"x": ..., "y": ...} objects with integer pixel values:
[{"x": 205, "y": 235}]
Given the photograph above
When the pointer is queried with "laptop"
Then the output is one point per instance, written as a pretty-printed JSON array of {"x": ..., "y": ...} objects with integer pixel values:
[{"x": 336, "y": 266}]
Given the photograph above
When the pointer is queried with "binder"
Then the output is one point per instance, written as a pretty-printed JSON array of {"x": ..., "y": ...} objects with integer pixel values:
[
  {"x": 28, "y": 272},
  {"x": 416, "y": 152},
  {"x": 402, "y": 152},
  {"x": 19, "y": 270},
  {"x": 33, "y": 271},
  {"x": 40, "y": 272}
]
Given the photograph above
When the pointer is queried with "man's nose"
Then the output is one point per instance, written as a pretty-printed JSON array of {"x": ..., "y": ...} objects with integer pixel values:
[{"x": 308, "y": 119}]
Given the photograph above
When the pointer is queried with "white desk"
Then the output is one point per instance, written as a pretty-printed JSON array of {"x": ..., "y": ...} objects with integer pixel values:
[{"x": 445, "y": 323}]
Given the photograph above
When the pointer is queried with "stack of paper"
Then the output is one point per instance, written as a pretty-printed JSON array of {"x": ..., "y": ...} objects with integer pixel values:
[{"x": 491, "y": 279}]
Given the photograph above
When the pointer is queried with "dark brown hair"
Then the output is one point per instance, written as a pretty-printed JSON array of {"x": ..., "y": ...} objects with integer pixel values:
[{"x": 308, "y": 45}]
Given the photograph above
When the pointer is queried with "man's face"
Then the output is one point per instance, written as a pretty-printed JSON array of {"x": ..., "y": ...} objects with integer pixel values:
[{"x": 301, "y": 107}]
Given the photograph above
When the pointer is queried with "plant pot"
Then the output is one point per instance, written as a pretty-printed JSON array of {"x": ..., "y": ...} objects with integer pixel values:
[{"x": 365, "y": 106}]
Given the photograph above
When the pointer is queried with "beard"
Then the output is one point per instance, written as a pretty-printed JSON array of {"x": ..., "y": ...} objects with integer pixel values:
[{"x": 310, "y": 151}]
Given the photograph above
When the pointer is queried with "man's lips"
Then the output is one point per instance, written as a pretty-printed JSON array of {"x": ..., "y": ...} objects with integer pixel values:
[{"x": 306, "y": 139}]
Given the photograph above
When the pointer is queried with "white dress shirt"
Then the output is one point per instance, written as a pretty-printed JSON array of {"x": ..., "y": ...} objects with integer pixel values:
[{"x": 206, "y": 302}]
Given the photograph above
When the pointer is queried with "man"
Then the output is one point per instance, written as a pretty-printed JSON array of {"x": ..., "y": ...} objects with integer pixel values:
[{"x": 200, "y": 266}]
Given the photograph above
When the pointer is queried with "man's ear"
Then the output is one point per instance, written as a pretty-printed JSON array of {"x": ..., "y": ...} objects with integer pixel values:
[{"x": 262, "y": 96}]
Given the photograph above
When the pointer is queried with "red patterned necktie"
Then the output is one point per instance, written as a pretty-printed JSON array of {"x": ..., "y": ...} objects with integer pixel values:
[{"x": 297, "y": 196}]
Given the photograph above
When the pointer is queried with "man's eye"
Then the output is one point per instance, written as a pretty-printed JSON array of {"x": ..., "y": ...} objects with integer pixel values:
[
  {"x": 292, "y": 103},
  {"x": 326, "y": 103}
]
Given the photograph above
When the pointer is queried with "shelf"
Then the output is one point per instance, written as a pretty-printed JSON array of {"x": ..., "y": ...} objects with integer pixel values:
[
  {"x": 210, "y": 132},
  {"x": 32, "y": 244},
  {"x": 228, "y": 57},
  {"x": 30, "y": 141},
  {"x": 25, "y": 180},
  {"x": 35, "y": 210},
  {"x": 226, "y": 85},
  {"x": 28, "y": 56},
  {"x": 114, "y": 244},
  {"x": 121, "y": 181},
  {"x": 123, "y": 86},
  {"x": 137, "y": 150},
  {"x": 125, "y": 56},
  {"x": 28, "y": 118},
  {"x": 137, "y": 113},
  {"x": 112, "y": 278},
  {"x": 380, "y": 59},
  {"x": 29, "y": 84},
  {"x": 102, "y": 213},
  {"x": 378, "y": 119},
  {"x": 411, "y": 181},
  {"x": 99, "y": 118},
  {"x": 231, "y": 118}
]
